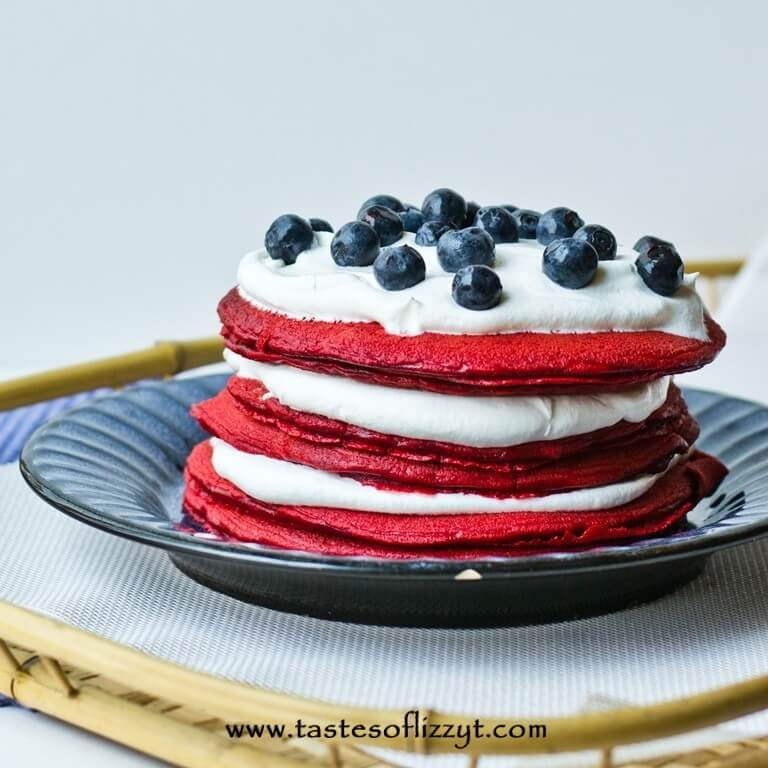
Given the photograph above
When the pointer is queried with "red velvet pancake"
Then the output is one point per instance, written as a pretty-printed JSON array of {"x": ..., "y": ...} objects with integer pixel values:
[
  {"x": 513, "y": 363},
  {"x": 224, "y": 509},
  {"x": 241, "y": 418}
]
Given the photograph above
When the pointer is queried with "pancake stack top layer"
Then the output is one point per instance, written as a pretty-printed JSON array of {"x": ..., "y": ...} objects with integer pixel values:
[{"x": 462, "y": 392}]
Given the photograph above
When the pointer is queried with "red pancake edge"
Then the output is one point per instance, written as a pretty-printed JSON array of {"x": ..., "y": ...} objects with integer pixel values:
[
  {"x": 225, "y": 510},
  {"x": 513, "y": 363}
]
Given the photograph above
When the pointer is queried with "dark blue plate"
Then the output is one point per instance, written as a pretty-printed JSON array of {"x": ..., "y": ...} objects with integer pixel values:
[{"x": 116, "y": 463}]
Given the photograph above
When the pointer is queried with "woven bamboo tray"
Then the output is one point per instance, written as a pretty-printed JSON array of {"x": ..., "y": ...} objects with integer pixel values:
[{"x": 178, "y": 715}]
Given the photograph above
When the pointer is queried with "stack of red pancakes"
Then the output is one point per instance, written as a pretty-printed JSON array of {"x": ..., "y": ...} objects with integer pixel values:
[{"x": 247, "y": 417}]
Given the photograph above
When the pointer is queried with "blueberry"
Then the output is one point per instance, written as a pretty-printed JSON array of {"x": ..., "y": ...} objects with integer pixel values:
[
  {"x": 387, "y": 201},
  {"x": 446, "y": 206},
  {"x": 570, "y": 262},
  {"x": 498, "y": 223},
  {"x": 459, "y": 248},
  {"x": 472, "y": 209},
  {"x": 412, "y": 218},
  {"x": 430, "y": 232},
  {"x": 510, "y": 208},
  {"x": 600, "y": 238},
  {"x": 288, "y": 235},
  {"x": 645, "y": 242},
  {"x": 320, "y": 225},
  {"x": 526, "y": 221},
  {"x": 355, "y": 245},
  {"x": 556, "y": 224},
  {"x": 385, "y": 221},
  {"x": 399, "y": 267},
  {"x": 476, "y": 287},
  {"x": 661, "y": 268}
]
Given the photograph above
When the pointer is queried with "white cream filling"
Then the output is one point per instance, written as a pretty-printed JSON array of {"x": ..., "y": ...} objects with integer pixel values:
[
  {"x": 617, "y": 300},
  {"x": 282, "y": 482},
  {"x": 481, "y": 422}
]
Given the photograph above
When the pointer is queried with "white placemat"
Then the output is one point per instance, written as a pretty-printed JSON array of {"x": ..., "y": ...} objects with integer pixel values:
[{"x": 712, "y": 632}]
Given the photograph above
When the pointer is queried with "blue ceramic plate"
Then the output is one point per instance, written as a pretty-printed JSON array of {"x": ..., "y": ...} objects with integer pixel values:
[{"x": 116, "y": 463}]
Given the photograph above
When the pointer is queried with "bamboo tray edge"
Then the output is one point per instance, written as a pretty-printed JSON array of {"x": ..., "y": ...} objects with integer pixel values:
[{"x": 235, "y": 702}]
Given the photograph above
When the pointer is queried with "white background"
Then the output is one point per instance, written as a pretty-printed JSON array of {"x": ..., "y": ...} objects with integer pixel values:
[{"x": 144, "y": 146}]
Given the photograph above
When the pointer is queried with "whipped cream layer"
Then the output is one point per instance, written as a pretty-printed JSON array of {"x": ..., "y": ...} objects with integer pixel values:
[
  {"x": 482, "y": 422},
  {"x": 282, "y": 482},
  {"x": 617, "y": 299}
]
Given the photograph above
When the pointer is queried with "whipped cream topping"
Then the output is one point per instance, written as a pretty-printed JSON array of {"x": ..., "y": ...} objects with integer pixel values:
[
  {"x": 281, "y": 482},
  {"x": 482, "y": 422},
  {"x": 617, "y": 299}
]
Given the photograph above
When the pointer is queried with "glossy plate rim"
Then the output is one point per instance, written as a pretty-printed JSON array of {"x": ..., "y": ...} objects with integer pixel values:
[{"x": 600, "y": 557}]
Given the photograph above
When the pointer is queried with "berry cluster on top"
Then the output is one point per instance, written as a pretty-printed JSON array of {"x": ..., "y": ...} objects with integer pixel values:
[{"x": 465, "y": 235}]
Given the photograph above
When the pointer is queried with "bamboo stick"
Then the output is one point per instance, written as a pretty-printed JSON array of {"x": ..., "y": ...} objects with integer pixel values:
[
  {"x": 165, "y": 358},
  {"x": 235, "y": 702},
  {"x": 145, "y": 729},
  {"x": 7, "y": 658},
  {"x": 715, "y": 267},
  {"x": 60, "y": 680},
  {"x": 751, "y": 753},
  {"x": 138, "y": 728}
]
